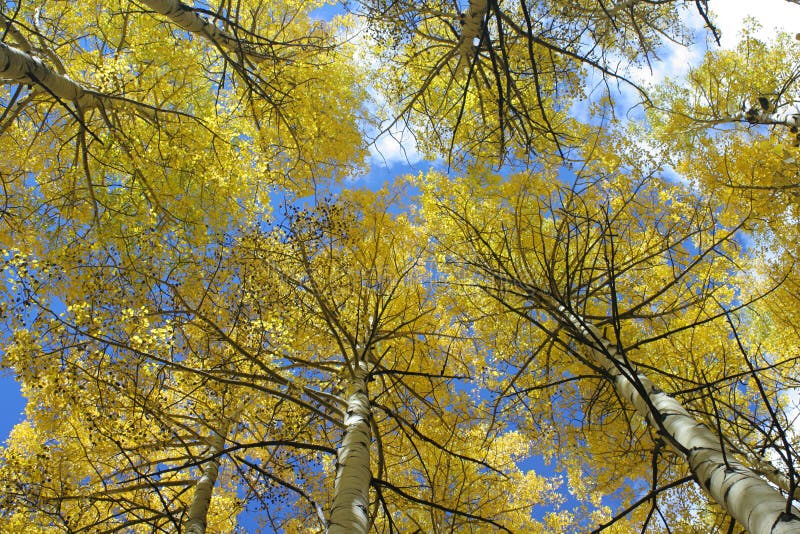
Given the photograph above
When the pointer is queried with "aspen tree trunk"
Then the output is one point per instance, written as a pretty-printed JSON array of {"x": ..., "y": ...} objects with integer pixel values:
[
  {"x": 190, "y": 20},
  {"x": 745, "y": 496},
  {"x": 755, "y": 115},
  {"x": 471, "y": 26},
  {"x": 198, "y": 511},
  {"x": 351, "y": 488},
  {"x": 768, "y": 117},
  {"x": 20, "y": 67},
  {"x": 765, "y": 468}
]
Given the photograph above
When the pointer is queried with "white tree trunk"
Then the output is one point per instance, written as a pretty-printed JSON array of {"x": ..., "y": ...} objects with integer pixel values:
[
  {"x": 188, "y": 19},
  {"x": 471, "y": 27},
  {"x": 764, "y": 467},
  {"x": 755, "y": 115},
  {"x": 20, "y": 67},
  {"x": 198, "y": 511},
  {"x": 351, "y": 489},
  {"x": 754, "y": 503}
]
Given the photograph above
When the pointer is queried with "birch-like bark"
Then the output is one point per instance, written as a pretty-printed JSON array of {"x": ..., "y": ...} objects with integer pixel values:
[
  {"x": 472, "y": 23},
  {"x": 190, "y": 20},
  {"x": 471, "y": 26},
  {"x": 764, "y": 467},
  {"x": 750, "y": 500},
  {"x": 790, "y": 118},
  {"x": 198, "y": 511},
  {"x": 759, "y": 116},
  {"x": 201, "y": 501},
  {"x": 351, "y": 488},
  {"x": 18, "y": 66}
]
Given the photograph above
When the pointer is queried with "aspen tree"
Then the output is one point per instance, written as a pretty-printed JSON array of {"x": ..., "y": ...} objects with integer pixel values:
[{"x": 554, "y": 253}]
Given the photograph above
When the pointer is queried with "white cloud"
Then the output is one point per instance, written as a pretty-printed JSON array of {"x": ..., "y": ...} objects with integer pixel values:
[
  {"x": 729, "y": 17},
  {"x": 396, "y": 146},
  {"x": 673, "y": 60}
]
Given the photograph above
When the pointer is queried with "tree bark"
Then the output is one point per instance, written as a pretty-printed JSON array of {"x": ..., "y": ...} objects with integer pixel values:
[
  {"x": 20, "y": 67},
  {"x": 353, "y": 476},
  {"x": 190, "y": 20},
  {"x": 764, "y": 467},
  {"x": 201, "y": 502},
  {"x": 738, "y": 490},
  {"x": 198, "y": 511},
  {"x": 471, "y": 26},
  {"x": 755, "y": 115}
]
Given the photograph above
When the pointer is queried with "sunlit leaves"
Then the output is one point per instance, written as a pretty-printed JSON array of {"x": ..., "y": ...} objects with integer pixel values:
[{"x": 712, "y": 137}]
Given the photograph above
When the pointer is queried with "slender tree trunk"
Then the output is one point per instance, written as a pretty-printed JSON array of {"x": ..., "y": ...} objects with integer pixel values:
[
  {"x": 755, "y": 115},
  {"x": 471, "y": 27},
  {"x": 351, "y": 489},
  {"x": 764, "y": 467},
  {"x": 190, "y": 20},
  {"x": 788, "y": 118},
  {"x": 20, "y": 67},
  {"x": 198, "y": 511},
  {"x": 744, "y": 495}
]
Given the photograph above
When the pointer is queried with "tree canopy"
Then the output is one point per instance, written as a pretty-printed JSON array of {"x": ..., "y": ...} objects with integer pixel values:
[{"x": 575, "y": 319}]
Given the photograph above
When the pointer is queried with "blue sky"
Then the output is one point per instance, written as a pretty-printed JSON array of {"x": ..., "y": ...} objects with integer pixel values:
[{"x": 12, "y": 404}]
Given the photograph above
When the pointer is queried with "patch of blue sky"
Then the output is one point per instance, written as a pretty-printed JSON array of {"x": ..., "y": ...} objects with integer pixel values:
[
  {"x": 392, "y": 146},
  {"x": 13, "y": 404},
  {"x": 730, "y": 16},
  {"x": 17, "y": 302},
  {"x": 280, "y": 502},
  {"x": 327, "y": 12}
]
